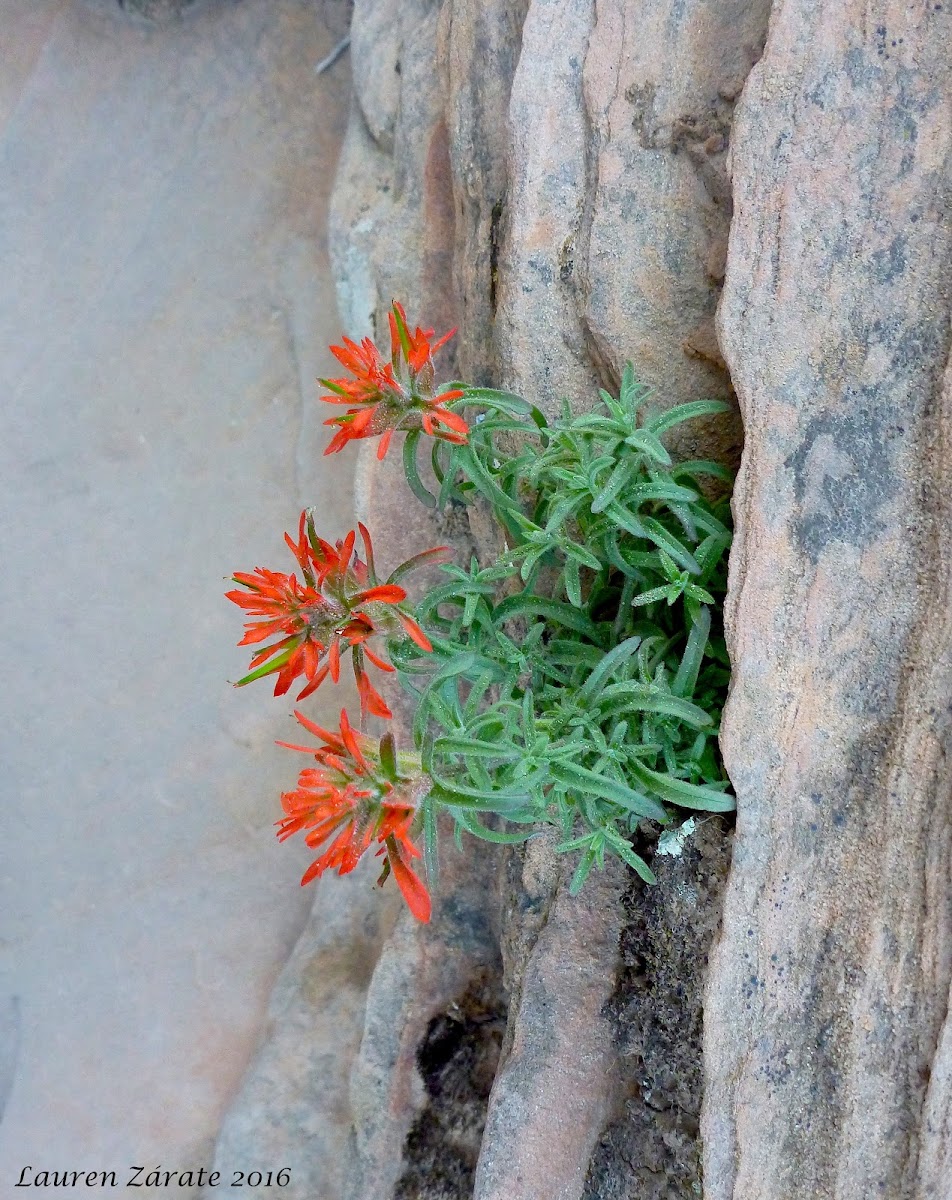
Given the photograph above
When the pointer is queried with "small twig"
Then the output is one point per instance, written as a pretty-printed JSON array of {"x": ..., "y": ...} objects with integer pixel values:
[{"x": 334, "y": 55}]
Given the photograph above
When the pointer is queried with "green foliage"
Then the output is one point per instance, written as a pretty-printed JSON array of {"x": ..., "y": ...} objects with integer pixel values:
[{"x": 577, "y": 679}]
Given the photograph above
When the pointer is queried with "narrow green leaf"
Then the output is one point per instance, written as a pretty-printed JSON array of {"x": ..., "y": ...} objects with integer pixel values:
[
  {"x": 703, "y": 467},
  {"x": 452, "y": 791},
  {"x": 431, "y": 843},
  {"x": 616, "y": 481},
  {"x": 554, "y": 610},
  {"x": 573, "y": 584},
  {"x": 470, "y": 822},
  {"x": 685, "y": 412},
  {"x": 652, "y": 596},
  {"x": 627, "y": 520},
  {"x": 640, "y": 697},
  {"x": 485, "y": 482},
  {"x": 579, "y": 554},
  {"x": 474, "y": 747},
  {"x": 686, "y": 677},
  {"x": 582, "y": 872},
  {"x": 568, "y": 653},
  {"x": 268, "y": 668},
  {"x": 575, "y": 776},
  {"x": 611, "y": 662},
  {"x": 648, "y": 443},
  {"x": 656, "y": 532},
  {"x": 680, "y": 792},
  {"x": 624, "y": 851},
  {"x": 643, "y": 493},
  {"x": 411, "y": 471}
]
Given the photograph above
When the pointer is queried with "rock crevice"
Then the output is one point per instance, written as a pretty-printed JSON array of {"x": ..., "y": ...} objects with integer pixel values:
[{"x": 572, "y": 186}]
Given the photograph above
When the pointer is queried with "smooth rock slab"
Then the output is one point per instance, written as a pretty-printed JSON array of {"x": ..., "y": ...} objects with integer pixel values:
[
  {"x": 165, "y": 304},
  {"x": 293, "y": 1109}
]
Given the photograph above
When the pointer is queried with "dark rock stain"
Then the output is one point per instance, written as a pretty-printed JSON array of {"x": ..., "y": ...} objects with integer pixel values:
[
  {"x": 495, "y": 222},
  {"x": 642, "y": 100},
  {"x": 890, "y": 263},
  {"x": 651, "y": 1149},
  {"x": 842, "y": 483}
]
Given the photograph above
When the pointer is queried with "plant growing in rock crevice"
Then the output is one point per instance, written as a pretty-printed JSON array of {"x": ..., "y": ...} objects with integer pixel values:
[{"x": 575, "y": 680}]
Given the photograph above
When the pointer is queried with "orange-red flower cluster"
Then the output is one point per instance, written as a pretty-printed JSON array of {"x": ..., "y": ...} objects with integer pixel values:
[
  {"x": 360, "y": 794},
  {"x": 338, "y": 605},
  {"x": 384, "y": 397},
  {"x": 357, "y": 796}
]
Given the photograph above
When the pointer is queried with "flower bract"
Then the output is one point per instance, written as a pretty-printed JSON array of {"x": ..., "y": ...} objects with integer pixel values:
[
  {"x": 359, "y": 795},
  {"x": 338, "y": 605},
  {"x": 385, "y": 397}
]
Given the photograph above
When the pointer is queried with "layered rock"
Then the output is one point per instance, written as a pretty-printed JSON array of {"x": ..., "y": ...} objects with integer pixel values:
[{"x": 513, "y": 190}]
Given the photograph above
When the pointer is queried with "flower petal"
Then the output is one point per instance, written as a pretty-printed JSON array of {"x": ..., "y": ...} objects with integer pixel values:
[
  {"x": 370, "y": 699},
  {"x": 383, "y": 593},
  {"x": 377, "y": 661},
  {"x": 410, "y": 884},
  {"x": 415, "y": 632}
]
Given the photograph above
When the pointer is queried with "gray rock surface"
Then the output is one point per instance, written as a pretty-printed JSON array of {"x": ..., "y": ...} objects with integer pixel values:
[
  {"x": 165, "y": 303},
  {"x": 827, "y": 1040},
  {"x": 292, "y": 1110},
  {"x": 557, "y": 1080},
  {"x": 155, "y": 10}
]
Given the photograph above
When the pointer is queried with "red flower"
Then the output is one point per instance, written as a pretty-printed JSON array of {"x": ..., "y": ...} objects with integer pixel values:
[
  {"x": 388, "y": 396},
  {"x": 356, "y": 796},
  {"x": 339, "y": 606}
]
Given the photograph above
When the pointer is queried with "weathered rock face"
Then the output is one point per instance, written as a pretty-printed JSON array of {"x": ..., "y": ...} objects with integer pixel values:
[
  {"x": 552, "y": 177},
  {"x": 293, "y": 1108},
  {"x": 556, "y": 1084},
  {"x": 827, "y": 1040},
  {"x": 512, "y": 189},
  {"x": 156, "y": 10}
]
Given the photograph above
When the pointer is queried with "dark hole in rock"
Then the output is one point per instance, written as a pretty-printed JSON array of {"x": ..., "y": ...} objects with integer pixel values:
[{"x": 457, "y": 1061}]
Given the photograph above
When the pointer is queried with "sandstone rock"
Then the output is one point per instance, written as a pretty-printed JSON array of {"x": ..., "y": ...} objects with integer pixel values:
[
  {"x": 554, "y": 1091},
  {"x": 827, "y": 1040},
  {"x": 156, "y": 10},
  {"x": 539, "y": 339},
  {"x": 646, "y": 262},
  {"x": 479, "y": 48},
  {"x": 376, "y": 46},
  {"x": 292, "y": 1110},
  {"x": 165, "y": 303},
  {"x": 428, "y": 978},
  {"x": 501, "y": 192},
  {"x": 392, "y": 216}
]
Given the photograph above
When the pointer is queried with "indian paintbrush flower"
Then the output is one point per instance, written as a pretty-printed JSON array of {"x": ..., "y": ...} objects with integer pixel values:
[
  {"x": 337, "y": 605},
  {"x": 359, "y": 795},
  {"x": 384, "y": 397}
]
